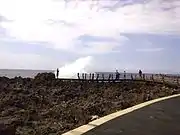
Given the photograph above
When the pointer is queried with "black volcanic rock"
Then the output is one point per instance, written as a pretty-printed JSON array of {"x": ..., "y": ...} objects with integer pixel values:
[
  {"x": 45, "y": 105},
  {"x": 44, "y": 78}
]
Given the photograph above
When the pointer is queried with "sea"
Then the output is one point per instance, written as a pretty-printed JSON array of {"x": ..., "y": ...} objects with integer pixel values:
[{"x": 11, "y": 73}]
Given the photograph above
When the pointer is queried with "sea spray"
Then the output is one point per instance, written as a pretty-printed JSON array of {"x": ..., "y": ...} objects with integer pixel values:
[{"x": 78, "y": 66}]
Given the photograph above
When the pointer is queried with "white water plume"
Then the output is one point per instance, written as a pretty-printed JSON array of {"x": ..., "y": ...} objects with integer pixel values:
[{"x": 79, "y": 66}]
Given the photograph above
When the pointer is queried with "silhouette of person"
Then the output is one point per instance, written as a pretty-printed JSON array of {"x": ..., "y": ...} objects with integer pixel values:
[
  {"x": 97, "y": 77},
  {"x": 57, "y": 73},
  {"x": 78, "y": 75},
  {"x": 117, "y": 75},
  {"x": 140, "y": 73},
  {"x": 124, "y": 74},
  {"x": 93, "y": 76},
  {"x": 90, "y": 76},
  {"x": 83, "y": 76}
]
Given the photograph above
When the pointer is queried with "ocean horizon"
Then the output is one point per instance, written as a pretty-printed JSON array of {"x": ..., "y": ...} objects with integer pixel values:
[{"x": 11, "y": 73}]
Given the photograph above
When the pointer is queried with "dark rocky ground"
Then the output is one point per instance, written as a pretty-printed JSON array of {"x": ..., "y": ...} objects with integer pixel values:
[{"x": 45, "y": 105}]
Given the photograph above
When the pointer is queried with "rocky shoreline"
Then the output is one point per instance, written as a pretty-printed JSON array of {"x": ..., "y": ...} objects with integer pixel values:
[{"x": 45, "y": 105}]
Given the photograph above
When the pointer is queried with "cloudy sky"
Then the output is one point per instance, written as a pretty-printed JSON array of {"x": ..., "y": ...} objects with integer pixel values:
[{"x": 123, "y": 34}]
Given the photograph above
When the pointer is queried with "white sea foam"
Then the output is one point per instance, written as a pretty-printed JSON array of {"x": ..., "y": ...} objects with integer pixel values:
[{"x": 78, "y": 66}]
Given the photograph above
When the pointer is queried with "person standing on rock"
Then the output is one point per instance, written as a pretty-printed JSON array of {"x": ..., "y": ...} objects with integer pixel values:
[
  {"x": 78, "y": 75},
  {"x": 117, "y": 75},
  {"x": 140, "y": 73},
  {"x": 124, "y": 74},
  {"x": 57, "y": 73}
]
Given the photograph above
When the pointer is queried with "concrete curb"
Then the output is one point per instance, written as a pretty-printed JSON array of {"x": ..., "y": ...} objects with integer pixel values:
[{"x": 85, "y": 128}]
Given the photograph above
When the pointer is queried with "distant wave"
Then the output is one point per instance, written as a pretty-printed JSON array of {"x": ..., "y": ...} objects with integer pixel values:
[{"x": 78, "y": 66}]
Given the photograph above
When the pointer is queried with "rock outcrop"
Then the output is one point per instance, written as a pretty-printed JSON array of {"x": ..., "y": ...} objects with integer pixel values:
[{"x": 45, "y": 105}]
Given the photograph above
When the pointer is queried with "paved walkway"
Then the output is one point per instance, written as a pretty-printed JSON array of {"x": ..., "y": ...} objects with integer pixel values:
[{"x": 162, "y": 118}]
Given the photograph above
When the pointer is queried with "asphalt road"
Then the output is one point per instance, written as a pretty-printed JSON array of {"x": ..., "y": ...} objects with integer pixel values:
[{"x": 162, "y": 118}]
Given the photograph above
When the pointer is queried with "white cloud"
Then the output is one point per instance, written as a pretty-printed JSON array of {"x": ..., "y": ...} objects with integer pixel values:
[
  {"x": 31, "y": 21},
  {"x": 149, "y": 49},
  {"x": 101, "y": 47}
]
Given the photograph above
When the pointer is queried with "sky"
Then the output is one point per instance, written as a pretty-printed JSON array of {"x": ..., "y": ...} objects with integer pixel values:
[{"x": 116, "y": 34}]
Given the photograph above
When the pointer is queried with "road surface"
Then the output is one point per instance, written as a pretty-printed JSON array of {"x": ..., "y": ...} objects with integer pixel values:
[{"x": 162, "y": 118}]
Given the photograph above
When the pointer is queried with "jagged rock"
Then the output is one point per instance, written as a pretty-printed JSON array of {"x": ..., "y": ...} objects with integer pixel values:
[
  {"x": 45, "y": 105},
  {"x": 44, "y": 79},
  {"x": 45, "y": 76},
  {"x": 7, "y": 130}
]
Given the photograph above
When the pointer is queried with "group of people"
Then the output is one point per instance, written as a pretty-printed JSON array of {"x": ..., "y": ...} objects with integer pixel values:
[{"x": 117, "y": 74}]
